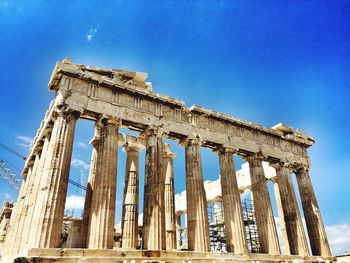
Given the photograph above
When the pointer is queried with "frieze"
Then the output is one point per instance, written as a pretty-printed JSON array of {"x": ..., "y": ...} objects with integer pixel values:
[
  {"x": 84, "y": 89},
  {"x": 184, "y": 115}
]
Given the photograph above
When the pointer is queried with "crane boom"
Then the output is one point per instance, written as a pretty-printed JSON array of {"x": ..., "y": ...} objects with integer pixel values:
[{"x": 9, "y": 177}]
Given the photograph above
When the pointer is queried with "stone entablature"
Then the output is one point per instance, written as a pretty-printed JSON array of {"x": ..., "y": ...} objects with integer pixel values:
[{"x": 94, "y": 92}]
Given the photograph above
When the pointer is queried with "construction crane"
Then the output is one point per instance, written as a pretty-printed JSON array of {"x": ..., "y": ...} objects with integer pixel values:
[
  {"x": 13, "y": 180},
  {"x": 9, "y": 177},
  {"x": 83, "y": 188}
]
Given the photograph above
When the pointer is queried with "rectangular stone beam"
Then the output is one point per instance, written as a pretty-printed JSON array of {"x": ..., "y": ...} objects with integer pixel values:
[{"x": 95, "y": 93}]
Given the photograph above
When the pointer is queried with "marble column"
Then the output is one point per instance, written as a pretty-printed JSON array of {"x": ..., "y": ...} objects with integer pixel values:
[
  {"x": 5, "y": 220},
  {"x": 89, "y": 189},
  {"x": 292, "y": 218},
  {"x": 35, "y": 205},
  {"x": 8, "y": 251},
  {"x": 197, "y": 211},
  {"x": 233, "y": 218},
  {"x": 169, "y": 196},
  {"x": 314, "y": 223},
  {"x": 24, "y": 218},
  {"x": 154, "y": 208},
  {"x": 102, "y": 210},
  {"x": 130, "y": 213},
  {"x": 281, "y": 216},
  {"x": 55, "y": 177},
  {"x": 265, "y": 221}
]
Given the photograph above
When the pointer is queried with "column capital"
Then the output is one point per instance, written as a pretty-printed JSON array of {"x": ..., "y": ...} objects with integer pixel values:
[
  {"x": 105, "y": 120},
  {"x": 193, "y": 139},
  {"x": 130, "y": 147},
  {"x": 39, "y": 147},
  {"x": 223, "y": 150},
  {"x": 48, "y": 130},
  {"x": 149, "y": 131},
  {"x": 254, "y": 156},
  {"x": 302, "y": 168},
  {"x": 65, "y": 113},
  {"x": 131, "y": 143},
  {"x": 95, "y": 141},
  {"x": 167, "y": 153},
  {"x": 279, "y": 164}
]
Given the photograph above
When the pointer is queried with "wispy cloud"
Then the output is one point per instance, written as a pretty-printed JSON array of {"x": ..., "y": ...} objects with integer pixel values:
[
  {"x": 339, "y": 238},
  {"x": 80, "y": 163},
  {"x": 74, "y": 202},
  {"x": 82, "y": 145},
  {"x": 7, "y": 196},
  {"x": 91, "y": 34},
  {"x": 24, "y": 141}
]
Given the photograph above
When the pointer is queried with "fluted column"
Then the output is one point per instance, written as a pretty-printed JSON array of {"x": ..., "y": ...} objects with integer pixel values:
[
  {"x": 265, "y": 221},
  {"x": 23, "y": 223},
  {"x": 292, "y": 218},
  {"x": 281, "y": 216},
  {"x": 35, "y": 205},
  {"x": 55, "y": 176},
  {"x": 5, "y": 220},
  {"x": 130, "y": 213},
  {"x": 154, "y": 209},
  {"x": 169, "y": 196},
  {"x": 197, "y": 212},
  {"x": 90, "y": 188},
  {"x": 233, "y": 218},
  {"x": 8, "y": 250},
  {"x": 102, "y": 211},
  {"x": 317, "y": 233}
]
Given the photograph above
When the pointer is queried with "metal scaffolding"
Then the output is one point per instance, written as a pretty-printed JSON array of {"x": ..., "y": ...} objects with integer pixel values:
[
  {"x": 251, "y": 229},
  {"x": 216, "y": 226}
]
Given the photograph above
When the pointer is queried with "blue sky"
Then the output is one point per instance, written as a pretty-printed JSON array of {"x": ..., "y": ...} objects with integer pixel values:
[{"x": 261, "y": 61}]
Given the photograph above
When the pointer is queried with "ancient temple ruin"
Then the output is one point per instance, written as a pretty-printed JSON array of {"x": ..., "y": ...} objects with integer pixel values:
[{"x": 115, "y": 99}]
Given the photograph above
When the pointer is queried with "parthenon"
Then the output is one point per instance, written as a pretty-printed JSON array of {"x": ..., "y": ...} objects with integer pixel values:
[{"x": 115, "y": 99}]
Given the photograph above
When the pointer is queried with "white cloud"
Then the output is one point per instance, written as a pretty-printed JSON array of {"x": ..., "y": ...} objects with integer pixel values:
[
  {"x": 91, "y": 34},
  {"x": 7, "y": 196},
  {"x": 80, "y": 163},
  {"x": 339, "y": 238},
  {"x": 74, "y": 202},
  {"x": 24, "y": 141},
  {"x": 82, "y": 145}
]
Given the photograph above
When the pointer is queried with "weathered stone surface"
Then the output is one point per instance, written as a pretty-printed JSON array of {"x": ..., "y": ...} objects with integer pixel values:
[
  {"x": 314, "y": 223},
  {"x": 281, "y": 216},
  {"x": 94, "y": 92},
  {"x": 102, "y": 211},
  {"x": 56, "y": 173},
  {"x": 48, "y": 204},
  {"x": 294, "y": 225},
  {"x": 169, "y": 196},
  {"x": 85, "y": 229},
  {"x": 265, "y": 221},
  {"x": 197, "y": 213},
  {"x": 71, "y": 231},
  {"x": 131, "y": 197},
  {"x": 5, "y": 214},
  {"x": 234, "y": 228},
  {"x": 154, "y": 209},
  {"x": 107, "y": 256}
]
